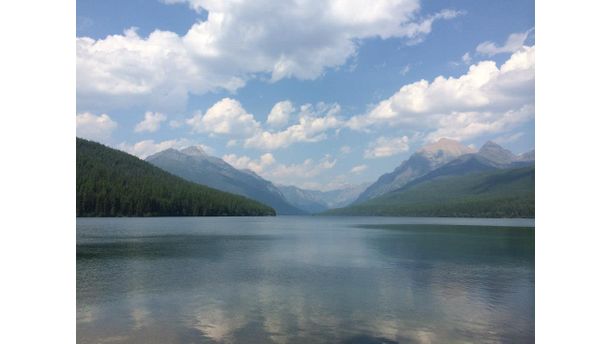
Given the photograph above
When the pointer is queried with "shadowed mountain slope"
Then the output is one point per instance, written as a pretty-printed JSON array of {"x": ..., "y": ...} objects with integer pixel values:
[{"x": 113, "y": 183}]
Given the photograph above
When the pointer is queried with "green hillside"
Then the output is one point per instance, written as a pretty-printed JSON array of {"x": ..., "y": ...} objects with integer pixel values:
[
  {"x": 498, "y": 193},
  {"x": 113, "y": 183}
]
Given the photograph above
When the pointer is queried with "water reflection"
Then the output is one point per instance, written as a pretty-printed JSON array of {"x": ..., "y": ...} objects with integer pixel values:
[{"x": 304, "y": 280}]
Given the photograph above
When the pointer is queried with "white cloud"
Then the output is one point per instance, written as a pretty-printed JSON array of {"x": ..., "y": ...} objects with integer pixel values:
[
  {"x": 466, "y": 125},
  {"x": 244, "y": 162},
  {"x": 279, "y": 115},
  {"x": 124, "y": 70},
  {"x": 358, "y": 169},
  {"x": 345, "y": 149},
  {"x": 236, "y": 42},
  {"x": 466, "y": 58},
  {"x": 422, "y": 28},
  {"x": 151, "y": 122},
  {"x": 305, "y": 170},
  {"x": 514, "y": 42},
  {"x": 226, "y": 117},
  {"x": 405, "y": 70},
  {"x": 486, "y": 99},
  {"x": 94, "y": 127},
  {"x": 313, "y": 123},
  {"x": 384, "y": 147},
  {"x": 294, "y": 174},
  {"x": 145, "y": 148}
]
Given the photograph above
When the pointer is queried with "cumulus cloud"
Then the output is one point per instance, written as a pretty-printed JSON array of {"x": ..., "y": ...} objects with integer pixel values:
[
  {"x": 358, "y": 169},
  {"x": 238, "y": 42},
  {"x": 345, "y": 149},
  {"x": 226, "y": 117},
  {"x": 94, "y": 127},
  {"x": 486, "y": 99},
  {"x": 279, "y": 115},
  {"x": 514, "y": 42},
  {"x": 305, "y": 170},
  {"x": 244, "y": 162},
  {"x": 385, "y": 146},
  {"x": 151, "y": 122},
  {"x": 268, "y": 167},
  {"x": 313, "y": 124},
  {"x": 466, "y": 125},
  {"x": 145, "y": 148},
  {"x": 124, "y": 70}
]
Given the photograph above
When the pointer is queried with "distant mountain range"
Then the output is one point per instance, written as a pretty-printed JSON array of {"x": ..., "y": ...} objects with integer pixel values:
[
  {"x": 433, "y": 163},
  {"x": 436, "y": 155},
  {"x": 314, "y": 201},
  {"x": 444, "y": 178},
  {"x": 449, "y": 179},
  {"x": 110, "y": 182},
  {"x": 494, "y": 193},
  {"x": 195, "y": 165}
]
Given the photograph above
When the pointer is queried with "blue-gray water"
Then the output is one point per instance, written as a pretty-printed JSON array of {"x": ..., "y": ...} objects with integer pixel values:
[{"x": 304, "y": 280}]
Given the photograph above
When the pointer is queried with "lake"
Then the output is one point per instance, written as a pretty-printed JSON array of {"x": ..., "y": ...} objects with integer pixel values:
[{"x": 293, "y": 279}]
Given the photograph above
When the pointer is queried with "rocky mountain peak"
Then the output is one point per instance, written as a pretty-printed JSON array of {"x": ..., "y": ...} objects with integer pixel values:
[
  {"x": 194, "y": 151},
  {"x": 496, "y": 153},
  {"x": 444, "y": 150},
  {"x": 447, "y": 146}
]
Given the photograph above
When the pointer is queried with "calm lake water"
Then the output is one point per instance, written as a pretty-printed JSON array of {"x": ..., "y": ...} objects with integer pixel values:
[{"x": 292, "y": 279}]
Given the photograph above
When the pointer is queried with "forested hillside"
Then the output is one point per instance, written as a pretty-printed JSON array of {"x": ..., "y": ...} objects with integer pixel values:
[
  {"x": 113, "y": 183},
  {"x": 194, "y": 165},
  {"x": 497, "y": 193}
]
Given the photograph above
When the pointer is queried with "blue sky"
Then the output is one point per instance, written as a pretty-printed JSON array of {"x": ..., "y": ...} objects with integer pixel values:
[{"x": 354, "y": 86}]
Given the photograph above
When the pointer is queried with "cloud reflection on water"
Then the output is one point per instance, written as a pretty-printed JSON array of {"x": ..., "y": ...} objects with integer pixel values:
[{"x": 363, "y": 286}]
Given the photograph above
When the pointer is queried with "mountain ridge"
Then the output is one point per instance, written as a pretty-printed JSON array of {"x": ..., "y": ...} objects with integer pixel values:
[
  {"x": 438, "y": 154},
  {"x": 196, "y": 166},
  {"x": 111, "y": 182},
  {"x": 316, "y": 201},
  {"x": 418, "y": 164},
  {"x": 493, "y": 193}
]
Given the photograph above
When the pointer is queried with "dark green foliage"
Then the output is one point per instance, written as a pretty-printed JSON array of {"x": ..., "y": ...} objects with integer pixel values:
[
  {"x": 497, "y": 193},
  {"x": 113, "y": 183}
]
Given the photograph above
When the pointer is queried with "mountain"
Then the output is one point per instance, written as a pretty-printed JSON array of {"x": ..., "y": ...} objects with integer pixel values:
[
  {"x": 497, "y": 153},
  {"x": 308, "y": 200},
  {"x": 463, "y": 165},
  {"x": 420, "y": 163},
  {"x": 502, "y": 156},
  {"x": 110, "y": 182},
  {"x": 492, "y": 182},
  {"x": 344, "y": 196},
  {"x": 468, "y": 164},
  {"x": 314, "y": 201},
  {"x": 195, "y": 165},
  {"x": 527, "y": 156},
  {"x": 491, "y": 193}
]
